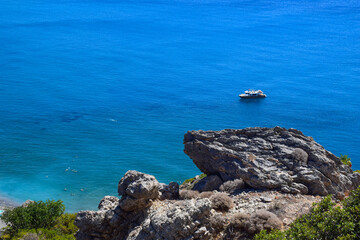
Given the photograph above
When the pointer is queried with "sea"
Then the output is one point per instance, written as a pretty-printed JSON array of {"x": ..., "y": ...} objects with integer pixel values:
[{"x": 92, "y": 88}]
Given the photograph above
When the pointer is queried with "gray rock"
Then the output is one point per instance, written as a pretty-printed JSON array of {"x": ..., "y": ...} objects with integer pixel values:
[
  {"x": 170, "y": 191},
  {"x": 208, "y": 183},
  {"x": 196, "y": 218},
  {"x": 27, "y": 203},
  {"x": 265, "y": 199},
  {"x": 270, "y": 158},
  {"x": 175, "y": 221},
  {"x": 137, "y": 191},
  {"x": 138, "y": 185},
  {"x": 234, "y": 186},
  {"x": 108, "y": 202},
  {"x": 130, "y": 204}
]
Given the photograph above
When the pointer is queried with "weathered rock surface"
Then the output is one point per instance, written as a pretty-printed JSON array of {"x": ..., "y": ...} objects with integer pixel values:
[
  {"x": 170, "y": 191},
  {"x": 264, "y": 176},
  {"x": 208, "y": 183},
  {"x": 137, "y": 190},
  {"x": 270, "y": 159},
  {"x": 140, "y": 214},
  {"x": 204, "y": 216}
]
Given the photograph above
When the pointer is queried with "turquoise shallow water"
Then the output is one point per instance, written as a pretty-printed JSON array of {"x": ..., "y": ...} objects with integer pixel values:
[{"x": 90, "y": 89}]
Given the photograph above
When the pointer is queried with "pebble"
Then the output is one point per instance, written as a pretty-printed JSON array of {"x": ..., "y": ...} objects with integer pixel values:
[{"x": 266, "y": 199}]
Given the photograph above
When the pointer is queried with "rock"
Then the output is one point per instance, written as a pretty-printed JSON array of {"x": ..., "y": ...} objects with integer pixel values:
[
  {"x": 265, "y": 199},
  {"x": 208, "y": 215},
  {"x": 92, "y": 221},
  {"x": 260, "y": 169},
  {"x": 234, "y": 186},
  {"x": 138, "y": 185},
  {"x": 175, "y": 221},
  {"x": 108, "y": 202},
  {"x": 270, "y": 158},
  {"x": 208, "y": 183},
  {"x": 137, "y": 191},
  {"x": 27, "y": 203},
  {"x": 130, "y": 204},
  {"x": 170, "y": 191}
]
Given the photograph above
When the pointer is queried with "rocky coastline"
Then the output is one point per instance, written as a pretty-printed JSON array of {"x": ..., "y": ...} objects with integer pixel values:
[{"x": 254, "y": 179}]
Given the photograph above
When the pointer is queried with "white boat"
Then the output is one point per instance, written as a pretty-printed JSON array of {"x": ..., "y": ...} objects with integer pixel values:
[{"x": 253, "y": 94}]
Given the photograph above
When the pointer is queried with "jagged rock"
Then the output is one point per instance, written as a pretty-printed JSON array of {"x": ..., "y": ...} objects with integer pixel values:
[
  {"x": 137, "y": 191},
  {"x": 183, "y": 220},
  {"x": 170, "y": 191},
  {"x": 92, "y": 222},
  {"x": 208, "y": 183},
  {"x": 195, "y": 218},
  {"x": 108, "y": 202},
  {"x": 138, "y": 185},
  {"x": 270, "y": 158}
]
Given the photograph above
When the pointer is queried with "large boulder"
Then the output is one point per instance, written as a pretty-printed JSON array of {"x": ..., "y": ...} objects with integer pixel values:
[
  {"x": 208, "y": 183},
  {"x": 138, "y": 185},
  {"x": 137, "y": 190},
  {"x": 270, "y": 158}
]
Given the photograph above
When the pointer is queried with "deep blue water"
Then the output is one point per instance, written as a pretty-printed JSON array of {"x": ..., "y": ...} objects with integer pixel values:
[{"x": 101, "y": 87}]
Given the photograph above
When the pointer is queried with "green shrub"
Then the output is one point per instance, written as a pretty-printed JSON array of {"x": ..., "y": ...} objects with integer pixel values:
[
  {"x": 65, "y": 224},
  {"x": 39, "y": 220},
  {"x": 42, "y": 234},
  {"x": 33, "y": 216},
  {"x": 324, "y": 221},
  {"x": 190, "y": 180},
  {"x": 345, "y": 160}
]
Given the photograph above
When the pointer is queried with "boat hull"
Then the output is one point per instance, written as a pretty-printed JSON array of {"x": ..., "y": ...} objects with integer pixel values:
[{"x": 249, "y": 96}]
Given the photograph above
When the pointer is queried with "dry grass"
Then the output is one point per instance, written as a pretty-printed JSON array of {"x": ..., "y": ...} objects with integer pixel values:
[
  {"x": 206, "y": 194},
  {"x": 188, "y": 194},
  {"x": 221, "y": 202}
]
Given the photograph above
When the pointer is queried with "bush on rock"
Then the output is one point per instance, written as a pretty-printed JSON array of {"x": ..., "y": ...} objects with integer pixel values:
[
  {"x": 221, "y": 202},
  {"x": 325, "y": 221}
]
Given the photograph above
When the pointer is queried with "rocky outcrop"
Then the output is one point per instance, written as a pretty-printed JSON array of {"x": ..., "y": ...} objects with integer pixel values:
[
  {"x": 209, "y": 215},
  {"x": 256, "y": 178},
  {"x": 270, "y": 159},
  {"x": 140, "y": 213}
]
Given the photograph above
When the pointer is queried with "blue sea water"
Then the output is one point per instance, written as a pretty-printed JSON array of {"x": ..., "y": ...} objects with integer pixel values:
[{"x": 92, "y": 88}]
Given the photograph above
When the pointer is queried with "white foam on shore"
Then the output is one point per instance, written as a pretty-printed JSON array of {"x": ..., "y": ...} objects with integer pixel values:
[{"x": 7, "y": 203}]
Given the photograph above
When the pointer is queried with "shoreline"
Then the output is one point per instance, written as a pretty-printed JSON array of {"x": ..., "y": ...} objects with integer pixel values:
[{"x": 6, "y": 203}]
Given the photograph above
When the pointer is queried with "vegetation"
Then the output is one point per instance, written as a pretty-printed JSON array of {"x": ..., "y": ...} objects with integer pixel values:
[
  {"x": 188, "y": 194},
  {"x": 326, "y": 220},
  {"x": 39, "y": 220},
  {"x": 190, "y": 180},
  {"x": 345, "y": 160},
  {"x": 221, "y": 202}
]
